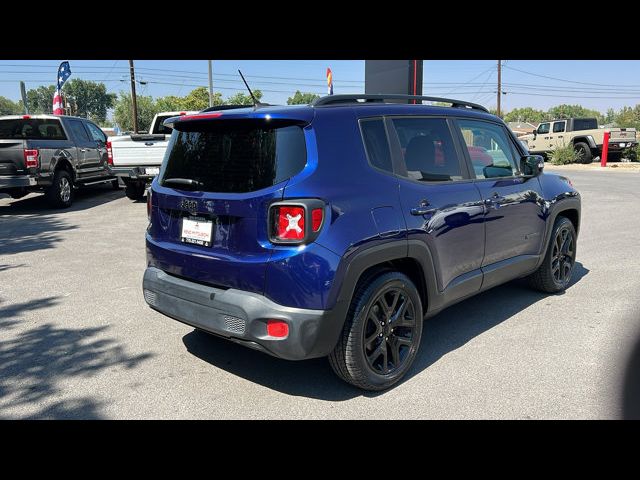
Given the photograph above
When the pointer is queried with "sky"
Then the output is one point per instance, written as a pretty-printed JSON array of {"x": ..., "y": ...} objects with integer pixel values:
[{"x": 598, "y": 85}]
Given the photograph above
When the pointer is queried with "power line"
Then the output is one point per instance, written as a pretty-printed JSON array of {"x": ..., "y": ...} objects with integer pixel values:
[
  {"x": 564, "y": 79},
  {"x": 570, "y": 96}
]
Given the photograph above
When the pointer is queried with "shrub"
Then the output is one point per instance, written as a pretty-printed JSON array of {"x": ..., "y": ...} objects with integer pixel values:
[
  {"x": 632, "y": 154},
  {"x": 564, "y": 155}
]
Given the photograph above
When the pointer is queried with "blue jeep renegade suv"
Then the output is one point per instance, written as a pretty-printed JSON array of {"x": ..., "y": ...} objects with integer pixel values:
[{"x": 334, "y": 229}]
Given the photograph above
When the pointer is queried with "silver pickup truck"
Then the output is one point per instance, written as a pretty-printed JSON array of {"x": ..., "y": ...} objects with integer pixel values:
[
  {"x": 137, "y": 158},
  {"x": 54, "y": 154}
]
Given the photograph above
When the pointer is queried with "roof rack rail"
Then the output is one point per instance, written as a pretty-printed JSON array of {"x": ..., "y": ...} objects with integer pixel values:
[
  {"x": 352, "y": 98},
  {"x": 225, "y": 107}
]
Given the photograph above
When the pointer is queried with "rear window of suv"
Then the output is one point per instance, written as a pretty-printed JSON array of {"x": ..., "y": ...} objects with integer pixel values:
[
  {"x": 235, "y": 157},
  {"x": 31, "y": 129}
]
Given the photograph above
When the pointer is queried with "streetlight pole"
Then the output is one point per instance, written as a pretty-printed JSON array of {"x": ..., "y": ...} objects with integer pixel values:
[{"x": 134, "y": 101}]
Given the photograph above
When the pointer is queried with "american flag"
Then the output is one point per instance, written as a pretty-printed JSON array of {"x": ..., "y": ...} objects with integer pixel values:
[
  {"x": 329, "y": 81},
  {"x": 64, "y": 72}
]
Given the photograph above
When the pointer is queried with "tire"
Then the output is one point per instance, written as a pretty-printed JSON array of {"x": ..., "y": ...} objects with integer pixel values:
[
  {"x": 585, "y": 151},
  {"x": 115, "y": 184},
  {"x": 134, "y": 190},
  {"x": 60, "y": 193},
  {"x": 372, "y": 365},
  {"x": 554, "y": 274}
]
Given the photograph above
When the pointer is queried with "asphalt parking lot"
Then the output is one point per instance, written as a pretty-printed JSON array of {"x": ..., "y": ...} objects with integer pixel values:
[{"x": 78, "y": 341}]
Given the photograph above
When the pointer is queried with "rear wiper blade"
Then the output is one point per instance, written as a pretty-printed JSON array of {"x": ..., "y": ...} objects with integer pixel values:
[{"x": 183, "y": 181}]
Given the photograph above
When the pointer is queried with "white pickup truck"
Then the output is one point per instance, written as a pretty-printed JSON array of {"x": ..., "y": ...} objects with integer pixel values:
[{"x": 136, "y": 158}]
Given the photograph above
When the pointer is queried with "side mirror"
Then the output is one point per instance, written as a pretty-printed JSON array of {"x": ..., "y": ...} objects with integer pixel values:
[
  {"x": 535, "y": 133},
  {"x": 532, "y": 165}
]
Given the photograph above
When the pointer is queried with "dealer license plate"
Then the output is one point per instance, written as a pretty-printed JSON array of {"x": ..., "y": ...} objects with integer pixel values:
[
  {"x": 197, "y": 231},
  {"x": 152, "y": 171}
]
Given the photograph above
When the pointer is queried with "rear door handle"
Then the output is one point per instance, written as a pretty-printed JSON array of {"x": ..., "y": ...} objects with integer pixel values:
[
  {"x": 149, "y": 144},
  {"x": 83, "y": 149},
  {"x": 422, "y": 209}
]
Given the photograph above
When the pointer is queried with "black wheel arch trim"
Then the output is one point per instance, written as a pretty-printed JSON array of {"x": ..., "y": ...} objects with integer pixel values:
[
  {"x": 588, "y": 139},
  {"x": 560, "y": 205}
]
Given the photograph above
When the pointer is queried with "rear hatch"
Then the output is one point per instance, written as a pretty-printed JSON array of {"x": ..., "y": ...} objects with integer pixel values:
[
  {"x": 140, "y": 149},
  {"x": 210, "y": 200},
  {"x": 623, "y": 135}
]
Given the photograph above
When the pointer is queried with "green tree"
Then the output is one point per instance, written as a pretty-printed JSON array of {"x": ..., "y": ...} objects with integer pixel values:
[
  {"x": 88, "y": 99},
  {"x": 40, "y": 99},
  {"x": 198, "y": 99},
  {"x": 610, "y": 117},
  {"x": 243, "y": 99},
  {"x": 628, "y": 117},
  {"x": 526, "y": 114},
  {"x": 300, "y": 98},
  {"x": 573, "y": 111},
  {"x": 122, "y": 111},
  {"x": 9, "y": 107},
  {"x": 170, "y": 103}
]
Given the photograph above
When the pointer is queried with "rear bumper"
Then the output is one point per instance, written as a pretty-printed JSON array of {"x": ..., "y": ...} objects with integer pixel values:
[
  {"x": 135, "y": 173},
  {"x": 242, "y": 316},
  {"x": 619, "y": 145},
  {"x": 16, "y": 181}
]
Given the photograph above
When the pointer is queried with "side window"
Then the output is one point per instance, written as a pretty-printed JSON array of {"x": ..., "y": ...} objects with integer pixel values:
[
  {"x": 96, "y": 133},
  {"x": 558, "y": 127},
  {"x": 489, "y": 148},
  {"x": 51, "y": 130},
  {"x": 376, "y": 144},
  {"x": 79, "y": 132},
  {"x": 543, "y": 128},
  {"x": 427, "y": 149}
]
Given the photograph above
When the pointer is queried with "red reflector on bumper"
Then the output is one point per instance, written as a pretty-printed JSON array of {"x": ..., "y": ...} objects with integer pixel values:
[{"x": 277, "y": 328}]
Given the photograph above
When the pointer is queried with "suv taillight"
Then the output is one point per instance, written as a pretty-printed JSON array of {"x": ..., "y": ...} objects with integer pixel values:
[
  {"x": 31, "y": 158},
  {"x": 295, "y": 222},
  {"x": 109, "y": 153}
]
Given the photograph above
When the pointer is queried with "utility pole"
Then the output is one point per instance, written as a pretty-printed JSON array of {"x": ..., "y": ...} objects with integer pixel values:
[
  {"x": 210, "y": 84},
  {"x": 499, "y": 85},
  {"x": 134, "y": 101}
]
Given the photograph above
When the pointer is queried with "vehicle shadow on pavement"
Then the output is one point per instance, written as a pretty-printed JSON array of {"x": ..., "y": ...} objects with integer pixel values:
[
  {"x": 35, "y": 363},
  {"x": 39, "y": 231},
  {"x": 460, "y": 323},
  {"x": 84, "y": 198},
  {"x": 445, "y": 332}
]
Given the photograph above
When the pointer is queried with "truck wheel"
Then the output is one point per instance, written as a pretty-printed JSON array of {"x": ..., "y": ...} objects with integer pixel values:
[
  {"x": 554, "y": 275},
  {"x": 584, "y": 151},
  {"x": 134, "y": 190},
  {"x": 381, "y": 334},
  {"x": 60, "y": 193},
  {"x": 115, "y": 184}
]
